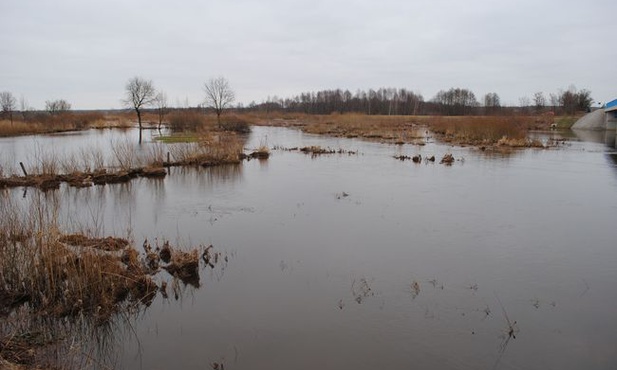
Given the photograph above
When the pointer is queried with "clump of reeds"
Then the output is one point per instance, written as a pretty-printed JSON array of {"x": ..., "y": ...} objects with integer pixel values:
[
  {"x": 390, "y": 129},
  {"x": 68, "y": 278},
  {"x": 447, "y": 159},
  {"x": 184, "y": 266},
  {"x": 316, "y": 150},
  {"x": 117, "y": 120},
  {"x": 58, "y": 277},
  {"x": 211, "y": 149},
  {"x": 504, "y": 131},
  {"x": 38, "y": 123},
  {"x": 124, "y": 154},
  {"x": 107, "y": 244},
  {"x": 186, "y": 119},
  {"x": 260, "y": 153},
  {"x": 477, "y": 130},
  {"x": 520, "y": 142},
  {"x": 18, "y": 128},
  {"x": 64, "y": 275},
  {"x": 155, "y": 156},
  {"x": 263, "y": 152},
  {"x": 237, "y": 123}
]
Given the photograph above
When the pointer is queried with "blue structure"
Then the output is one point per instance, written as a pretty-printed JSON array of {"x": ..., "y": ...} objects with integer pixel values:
[{"x": 610, "y": 106}]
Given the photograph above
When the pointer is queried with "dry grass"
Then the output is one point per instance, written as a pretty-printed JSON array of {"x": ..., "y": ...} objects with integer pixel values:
[
  {"x": 48, "y": 171},
  {"x": 41, "y": 266},
  {"x": 391, "y": 129},
  {"x": 19, "y": 128},
  {"x": 41, "y": 123},
  {"x": 510, "y": 131},
  {"x": 61, "y": 289},
  {"x": 477, "y": 130},
  {"x": 210, "y": 149},
  {"x": 117, "y": 120},
  {"x": 388, "y": 129},
  {"x": 125, "y": 154},
  {"x": 187, "y": 119},
  {"x": 463, "y": 130}
]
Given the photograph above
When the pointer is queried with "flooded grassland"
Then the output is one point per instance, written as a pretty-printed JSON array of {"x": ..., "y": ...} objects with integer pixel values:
[{"x": 349, "y": 258}]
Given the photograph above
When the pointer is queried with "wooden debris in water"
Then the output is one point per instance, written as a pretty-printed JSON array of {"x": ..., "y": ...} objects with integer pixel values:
[
  {"x": 165, "y": 252},
  {"x": 185, "y": 266},
  {"x": 108, "y": 244},
  {"x": 362, "y": 290},
  {"x": 447, "y": 159},
  {"x": 261, "y": 153},
  {"x": 415, "y": 289}
]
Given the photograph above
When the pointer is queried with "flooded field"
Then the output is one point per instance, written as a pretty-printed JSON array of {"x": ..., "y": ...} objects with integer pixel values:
[{"x": 361, "y": 261}]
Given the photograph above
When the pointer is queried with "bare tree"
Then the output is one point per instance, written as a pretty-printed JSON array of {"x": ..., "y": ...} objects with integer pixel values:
[
  {"x": 219, "y": 95},
  {"x": 57, "y": 106},
  {"x": 162, "y": 108},
  {"x": 24, "y": 107},
  {"x": 539, "y": 101},
  {"x": 573, "y": 100},
  {"x": 140, "y": 93},
  {"x": 524, "y": 103},
  {"x": 456, "y": 101},
  {"x": 492, "y": 103},
  {"x": 8, "y": 103},
  {"x": 554, "y": 101}
]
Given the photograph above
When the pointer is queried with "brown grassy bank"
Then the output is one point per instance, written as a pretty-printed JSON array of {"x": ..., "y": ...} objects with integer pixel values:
[
  {"x": 178, "y": 120},
  {"x": 41, "y": 123},
  {"x": 89, "y": 167},
  {"x": 506, "y": 131},
  {"x": 60, "y": 291}
]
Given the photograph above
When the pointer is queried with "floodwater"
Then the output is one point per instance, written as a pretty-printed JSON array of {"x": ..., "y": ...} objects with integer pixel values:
[{"x": 361, "y": 261}]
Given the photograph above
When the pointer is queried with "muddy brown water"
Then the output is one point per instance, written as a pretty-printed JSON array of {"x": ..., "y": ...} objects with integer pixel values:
[{"x": 364, "y": 262}]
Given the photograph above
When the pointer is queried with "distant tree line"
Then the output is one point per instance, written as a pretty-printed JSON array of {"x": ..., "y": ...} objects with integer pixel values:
[
  {"x": 393, "y": 101},
  {"x": 140, "y": 94},
  {"x": 9, "y": 106},
  {"x": 384, "y": 101}
]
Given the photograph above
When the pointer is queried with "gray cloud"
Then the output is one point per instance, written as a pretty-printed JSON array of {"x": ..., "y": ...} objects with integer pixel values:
[{"x": 85, "y": 51}]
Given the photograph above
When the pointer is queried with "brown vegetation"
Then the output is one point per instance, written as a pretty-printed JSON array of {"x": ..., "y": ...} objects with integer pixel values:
[
  {"x": 211, "y": 149},
  {"x": 40, "y": 123},
  {"x": 447, "y": 159},
  {"x": 388, "y": 129},
  {"x": 488, "y": 131},
  {"x": 208, "y": 148},
  {"x": 465, "y": 130},
  {"x": 502, "y": 130},
  {"x": 73, "y": 279},
  {"x": 80, "y": 179},
  {"x": 196, "y": 120},
  {"x": 263, "y": 152}
]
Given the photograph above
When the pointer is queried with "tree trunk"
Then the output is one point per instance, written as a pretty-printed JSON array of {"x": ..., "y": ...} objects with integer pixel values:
[{"x": 139, "y": 118}]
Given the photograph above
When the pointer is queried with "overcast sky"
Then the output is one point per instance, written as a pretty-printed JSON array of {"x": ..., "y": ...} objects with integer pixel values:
[{"x": 85, "y": 51}]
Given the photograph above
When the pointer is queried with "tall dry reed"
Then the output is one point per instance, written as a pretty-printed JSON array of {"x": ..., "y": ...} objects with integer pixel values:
[{"x": 478, "y": 130}]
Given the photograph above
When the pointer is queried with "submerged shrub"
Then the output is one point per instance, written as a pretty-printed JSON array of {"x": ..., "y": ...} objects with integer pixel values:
[{"x": 186, "y": 119}]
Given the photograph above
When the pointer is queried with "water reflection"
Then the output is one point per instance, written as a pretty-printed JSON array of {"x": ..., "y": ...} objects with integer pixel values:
[
  {"x": 206, "y": 177},
  {"x": 71, "y": 147},
  {"x": 605, "y": 137},
  {"x": 401, "y": 272}
]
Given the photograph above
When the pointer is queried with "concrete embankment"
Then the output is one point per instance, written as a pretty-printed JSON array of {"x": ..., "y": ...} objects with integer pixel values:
[{"x": 591, "y": 121}]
